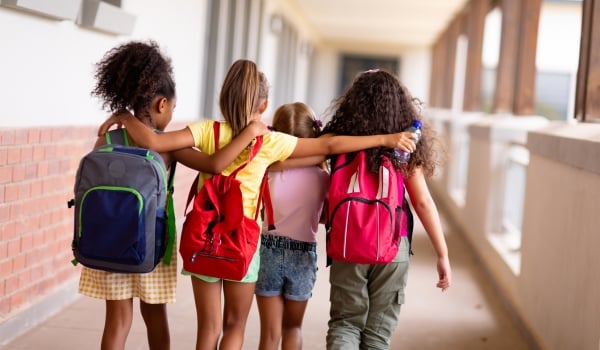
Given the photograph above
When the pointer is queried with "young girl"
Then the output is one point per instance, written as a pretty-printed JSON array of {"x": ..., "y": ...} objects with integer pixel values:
[
  {"x": 137, "y": 76},
  {"x": 288, "y": 254},
  {"x": 243, "y": 98},
  {"x": 378, "y": 102}
]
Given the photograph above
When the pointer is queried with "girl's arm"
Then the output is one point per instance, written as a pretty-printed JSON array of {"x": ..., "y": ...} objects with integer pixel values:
[
  {"x": 297, "y": 163},
  {"x": 145, "y": 137},
  {"x": 344, "y": 144},
  {"x": 210, "y": 164},
  {"x": 181, "y": 139},
  {"x": 427, "y": 212},
  {"x": 221, "y": 159}
]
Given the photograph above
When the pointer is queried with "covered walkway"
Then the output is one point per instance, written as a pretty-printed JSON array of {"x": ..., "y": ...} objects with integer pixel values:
[{"x": 469, "y": 316}]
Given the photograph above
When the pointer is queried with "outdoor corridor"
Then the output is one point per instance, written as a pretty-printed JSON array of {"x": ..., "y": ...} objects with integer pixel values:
[{"x": 469, "y": 316}]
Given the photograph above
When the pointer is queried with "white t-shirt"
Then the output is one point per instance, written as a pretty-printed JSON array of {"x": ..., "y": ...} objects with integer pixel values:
[{"x": 297, "y": 196}]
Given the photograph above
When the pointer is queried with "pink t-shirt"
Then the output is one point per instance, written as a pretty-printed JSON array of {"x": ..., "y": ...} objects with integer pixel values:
[{"x": 297, "y": 196}]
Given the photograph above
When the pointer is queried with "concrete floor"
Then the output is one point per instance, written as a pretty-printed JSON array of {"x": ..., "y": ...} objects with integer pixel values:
[{"x": 469, "y": 316}]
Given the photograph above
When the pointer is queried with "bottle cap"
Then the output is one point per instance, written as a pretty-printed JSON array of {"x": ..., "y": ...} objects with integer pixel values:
[{"x": 417, "y": 124}]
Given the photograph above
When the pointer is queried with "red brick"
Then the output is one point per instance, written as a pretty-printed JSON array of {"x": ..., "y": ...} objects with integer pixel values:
[
  {"x": 3, "y": 155},
  {"x": 14, "y": 156},
  {"x": 25, "y": 278},
  {"x": 26, "y": 242},
  {"x": 26, "y": 154},
  {"x": 2, "y": 195},
  {"x": 36, "y": 188},
  {"x": 5, "y": 267},
  {"x": 42, "y": 169},
  {"x": 46, "y": 135},
  {"x": 18, "y": 263},
  {"x": 4, "y": 305},
  {"x": 53, "y": 168},
  {"x": 47, "y": 185},
  {"x": 37, "y": 272},
  {"x": 58, "y": 134},
  {"x": 3, "y": 251},
  {"x": 39, "y": 153},
  {"x": 14, "y": 247},
  {"x": 4, "y": 213},
  {"x": 38, "y": 238},
  {"x": 15, "y": 211},
  {"x": 22, "y": 226},
  {"x": 6, "y": 173},
  {"x": 17, "y": 300},
  {"x": 11, "y": 192},
  {"x": 12, "y": 284},
  {"x": 64, "y": 165},
  {"x": 34, "y": 136},
  {"x": 9, "y": 231},
  {"x": 31, "y": 224},
  {"x": 21, "y": 136},
  {"x": 56, "y": 217},
  {"x": 7, "y": 137},
  {"x": 18, "y": 173},
  {"x": 30, "y": 171},
  {"x": 45, "y": 219},
  {"x": 50, "y": 151},
  {"x": 24, "y": 191}
]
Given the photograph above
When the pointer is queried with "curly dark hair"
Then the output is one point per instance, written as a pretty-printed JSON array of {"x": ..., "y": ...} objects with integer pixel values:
[
  {"x": 130, "y": 76},
  {"x": 377, "y": 103}
]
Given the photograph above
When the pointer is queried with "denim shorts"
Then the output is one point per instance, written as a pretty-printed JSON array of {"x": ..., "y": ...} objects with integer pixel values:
[{"x": 287, "y": 267}]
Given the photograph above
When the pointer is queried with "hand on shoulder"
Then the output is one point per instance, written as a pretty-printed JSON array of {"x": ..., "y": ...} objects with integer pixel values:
[{"x": 114, "y": 119}]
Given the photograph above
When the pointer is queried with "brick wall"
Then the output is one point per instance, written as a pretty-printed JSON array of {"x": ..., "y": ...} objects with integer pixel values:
[{"x": 37, "y": 172}]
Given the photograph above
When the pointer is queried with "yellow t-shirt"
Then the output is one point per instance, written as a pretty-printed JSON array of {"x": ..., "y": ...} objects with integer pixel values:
[{"x": 276, "y": 146}]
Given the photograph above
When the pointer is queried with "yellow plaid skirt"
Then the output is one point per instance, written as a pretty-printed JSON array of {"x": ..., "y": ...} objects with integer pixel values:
[{"x": 156, "y": 287}]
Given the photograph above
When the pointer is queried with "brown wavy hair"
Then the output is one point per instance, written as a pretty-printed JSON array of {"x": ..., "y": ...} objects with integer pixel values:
[
  {"x": 296, "y": 119},
  {"x": 378, "y": 103},
  {"x": 131, "y": 75}
]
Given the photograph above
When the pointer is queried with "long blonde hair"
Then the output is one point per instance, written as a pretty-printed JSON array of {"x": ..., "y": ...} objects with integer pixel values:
[{"x": 243, "y": 91}]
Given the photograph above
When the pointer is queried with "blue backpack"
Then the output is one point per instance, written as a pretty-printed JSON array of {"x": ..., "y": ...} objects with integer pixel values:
[{"x": 124, "y": 217}]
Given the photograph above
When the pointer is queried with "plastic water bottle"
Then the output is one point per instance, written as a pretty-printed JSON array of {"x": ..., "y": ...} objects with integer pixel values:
[{"x": 415, "y": 128}]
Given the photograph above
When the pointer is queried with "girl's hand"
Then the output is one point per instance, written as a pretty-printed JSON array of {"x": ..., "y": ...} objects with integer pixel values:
[
  {"x": 406, "y": 141},
  {"x": 444, "y": 273},
  {"x": 258, "y": 127},
  {"x": 114, "y": 119}
]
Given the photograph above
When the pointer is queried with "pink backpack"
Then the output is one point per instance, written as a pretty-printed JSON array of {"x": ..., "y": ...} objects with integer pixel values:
[{"x": 365, "y": 211}]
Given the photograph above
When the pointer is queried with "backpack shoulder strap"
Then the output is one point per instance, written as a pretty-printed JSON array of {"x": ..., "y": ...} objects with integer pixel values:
[
  {"x": 117, "y": 137},
  {"x": 264, "y": 197}
]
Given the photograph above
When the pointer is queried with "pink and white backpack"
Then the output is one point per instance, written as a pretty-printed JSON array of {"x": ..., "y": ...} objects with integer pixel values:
[{"x": 366, "y": 215}]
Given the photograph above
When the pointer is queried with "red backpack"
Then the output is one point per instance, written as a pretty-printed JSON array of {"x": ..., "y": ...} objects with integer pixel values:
[
  {"x": 217, "y": 239},
  {"x": 365, "y": 211}
]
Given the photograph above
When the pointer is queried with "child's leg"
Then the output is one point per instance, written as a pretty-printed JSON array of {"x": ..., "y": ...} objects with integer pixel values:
[
  {"x": 349, "y": 305},
  {"x": 270, "y": 310},
  {"x": 157, "y": 325},
  {"x": 238, "y": 300},
  {"x": 207, "y": 296},
  {"x": 292, "y": 324},
  {"x": 386, "y": 295},
  {"x": 119, "y": 315},
  {"x": 300, "y": 267}
]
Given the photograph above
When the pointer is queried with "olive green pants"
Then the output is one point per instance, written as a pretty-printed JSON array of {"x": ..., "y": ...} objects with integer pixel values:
[{"x": 365, "y": 302}]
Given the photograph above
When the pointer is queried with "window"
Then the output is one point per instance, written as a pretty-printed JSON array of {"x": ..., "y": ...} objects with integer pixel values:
[{"x": 352, "y": 65}]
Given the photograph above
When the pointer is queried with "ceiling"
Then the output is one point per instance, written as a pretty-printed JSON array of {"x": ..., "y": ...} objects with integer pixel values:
[{"x": 379, "y": 23}]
